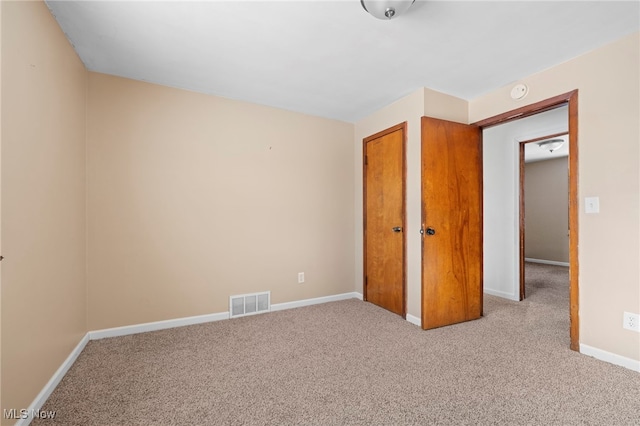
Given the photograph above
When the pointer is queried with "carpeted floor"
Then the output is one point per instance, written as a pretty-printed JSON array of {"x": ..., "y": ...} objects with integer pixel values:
[{"x": 352, "y": 363}]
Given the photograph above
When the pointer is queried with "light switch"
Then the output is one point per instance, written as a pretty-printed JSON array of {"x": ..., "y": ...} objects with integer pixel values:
[{"x": 592, "y": 205}]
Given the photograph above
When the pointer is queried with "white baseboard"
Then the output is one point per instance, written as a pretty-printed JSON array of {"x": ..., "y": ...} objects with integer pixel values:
[
  {"x": 414, "y": 320},
  {"x": 44, "y": 394},
  {"x": 546, "y": 262},
  {"x": 155, "y": 326},
  {"x": 315, "y": 301},
  {"x": 53, "y": 382},
  {"x": 181, "y": 322},
  {"x": 609, "y": 357},
  {"x": 502, "y": 294}
]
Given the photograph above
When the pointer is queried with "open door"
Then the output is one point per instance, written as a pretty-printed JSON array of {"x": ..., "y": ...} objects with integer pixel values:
[{"x": 451, "y": 222}]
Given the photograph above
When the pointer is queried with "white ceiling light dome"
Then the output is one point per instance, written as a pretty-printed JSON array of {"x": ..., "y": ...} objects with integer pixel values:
[
  {"x": 551, "y": 144},
  {"x": 386, "y": 9}
]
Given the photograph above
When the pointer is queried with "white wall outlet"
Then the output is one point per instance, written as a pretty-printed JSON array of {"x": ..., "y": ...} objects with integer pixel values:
[
  {"x": 300, "y": 277},
  {"x": 592, "y": 205},
  {"x": 631, "y": 322}
]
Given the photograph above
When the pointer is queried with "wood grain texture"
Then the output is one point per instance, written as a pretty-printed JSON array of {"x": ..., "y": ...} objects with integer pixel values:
[
  {"x": 574, "y": 328},
  {"x": 522, "y": 222},
  {"x": 384, "y": 209},
  {"x": 525, "y": 111},
  {"x": 452, "y": 206}
]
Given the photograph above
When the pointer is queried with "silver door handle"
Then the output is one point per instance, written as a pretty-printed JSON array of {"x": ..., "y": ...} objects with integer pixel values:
[{"x": 397, "y": 229}]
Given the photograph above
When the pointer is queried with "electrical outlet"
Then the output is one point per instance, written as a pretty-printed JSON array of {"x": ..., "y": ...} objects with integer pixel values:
[
  {"x": 631, "y": 322},
  {"x": 300, "y": 277}
]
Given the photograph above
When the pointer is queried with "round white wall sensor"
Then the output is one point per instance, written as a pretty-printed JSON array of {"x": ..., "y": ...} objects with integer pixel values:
[{"x": 519, "y": 91}]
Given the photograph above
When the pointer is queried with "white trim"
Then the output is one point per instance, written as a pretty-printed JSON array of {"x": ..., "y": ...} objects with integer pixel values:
[
  {"x": 315, "y": 301},
  {"x": 44, "y": 394},
  {"x": 502, "y": 294},
  {"x": 157, "y": 325},
  {"x": 609, "y": 357},
  {"x": 53, "y": 382},
  {"x": 546, "y": 262},
  {"x": 180, "y": 322},
  {"x": 414, "y": 320}
]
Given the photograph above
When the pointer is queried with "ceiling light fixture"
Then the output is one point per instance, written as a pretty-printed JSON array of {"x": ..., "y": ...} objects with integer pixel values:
[
  {"x": 551, "y": 145},
  {"x": 386, "y": 9}
]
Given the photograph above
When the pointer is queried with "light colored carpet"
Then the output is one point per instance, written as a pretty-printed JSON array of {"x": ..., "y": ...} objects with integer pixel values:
[{"x": 352, "y": 363}]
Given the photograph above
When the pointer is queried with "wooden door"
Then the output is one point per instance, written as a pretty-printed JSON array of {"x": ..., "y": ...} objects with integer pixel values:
[
  {"x": 384, "y": 215},
  {"x": 452, "y": 222}
]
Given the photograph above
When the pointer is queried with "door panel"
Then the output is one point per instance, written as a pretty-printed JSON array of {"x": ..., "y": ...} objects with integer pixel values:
[
  {"x": 452, "y": 222},
  {"x": 384, "y": 211}
]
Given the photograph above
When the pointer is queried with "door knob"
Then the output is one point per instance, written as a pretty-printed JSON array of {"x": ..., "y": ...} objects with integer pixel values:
[
  {"x": 431, "y": 231},
  {"x": 397, "y": 229}
]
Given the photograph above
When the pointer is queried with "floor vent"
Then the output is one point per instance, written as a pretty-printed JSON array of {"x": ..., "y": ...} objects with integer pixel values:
[{"x": 249, "y": 304}]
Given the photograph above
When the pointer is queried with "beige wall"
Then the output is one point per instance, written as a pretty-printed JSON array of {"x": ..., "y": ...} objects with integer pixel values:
[
  {"x": 609, "y": 116},
  {"x": 193, "y": 198},
  {"x": 547, "y": 210},
  {"x": 190, "y": 198},
  {"x": 609, "y": 110},
  {"x": 410, "y": 109},
  {"x": 43, "y": 194}
]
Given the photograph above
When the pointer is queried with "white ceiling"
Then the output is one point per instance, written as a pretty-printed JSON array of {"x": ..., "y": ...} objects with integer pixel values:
[{"x": 331, "y": 58}]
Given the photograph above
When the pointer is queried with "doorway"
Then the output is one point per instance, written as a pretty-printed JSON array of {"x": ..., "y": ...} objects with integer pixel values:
[
  {"x": 544, "y": 203},
  {"x": 384, "y": 219},
  {"x": 569, "y": 99}
]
